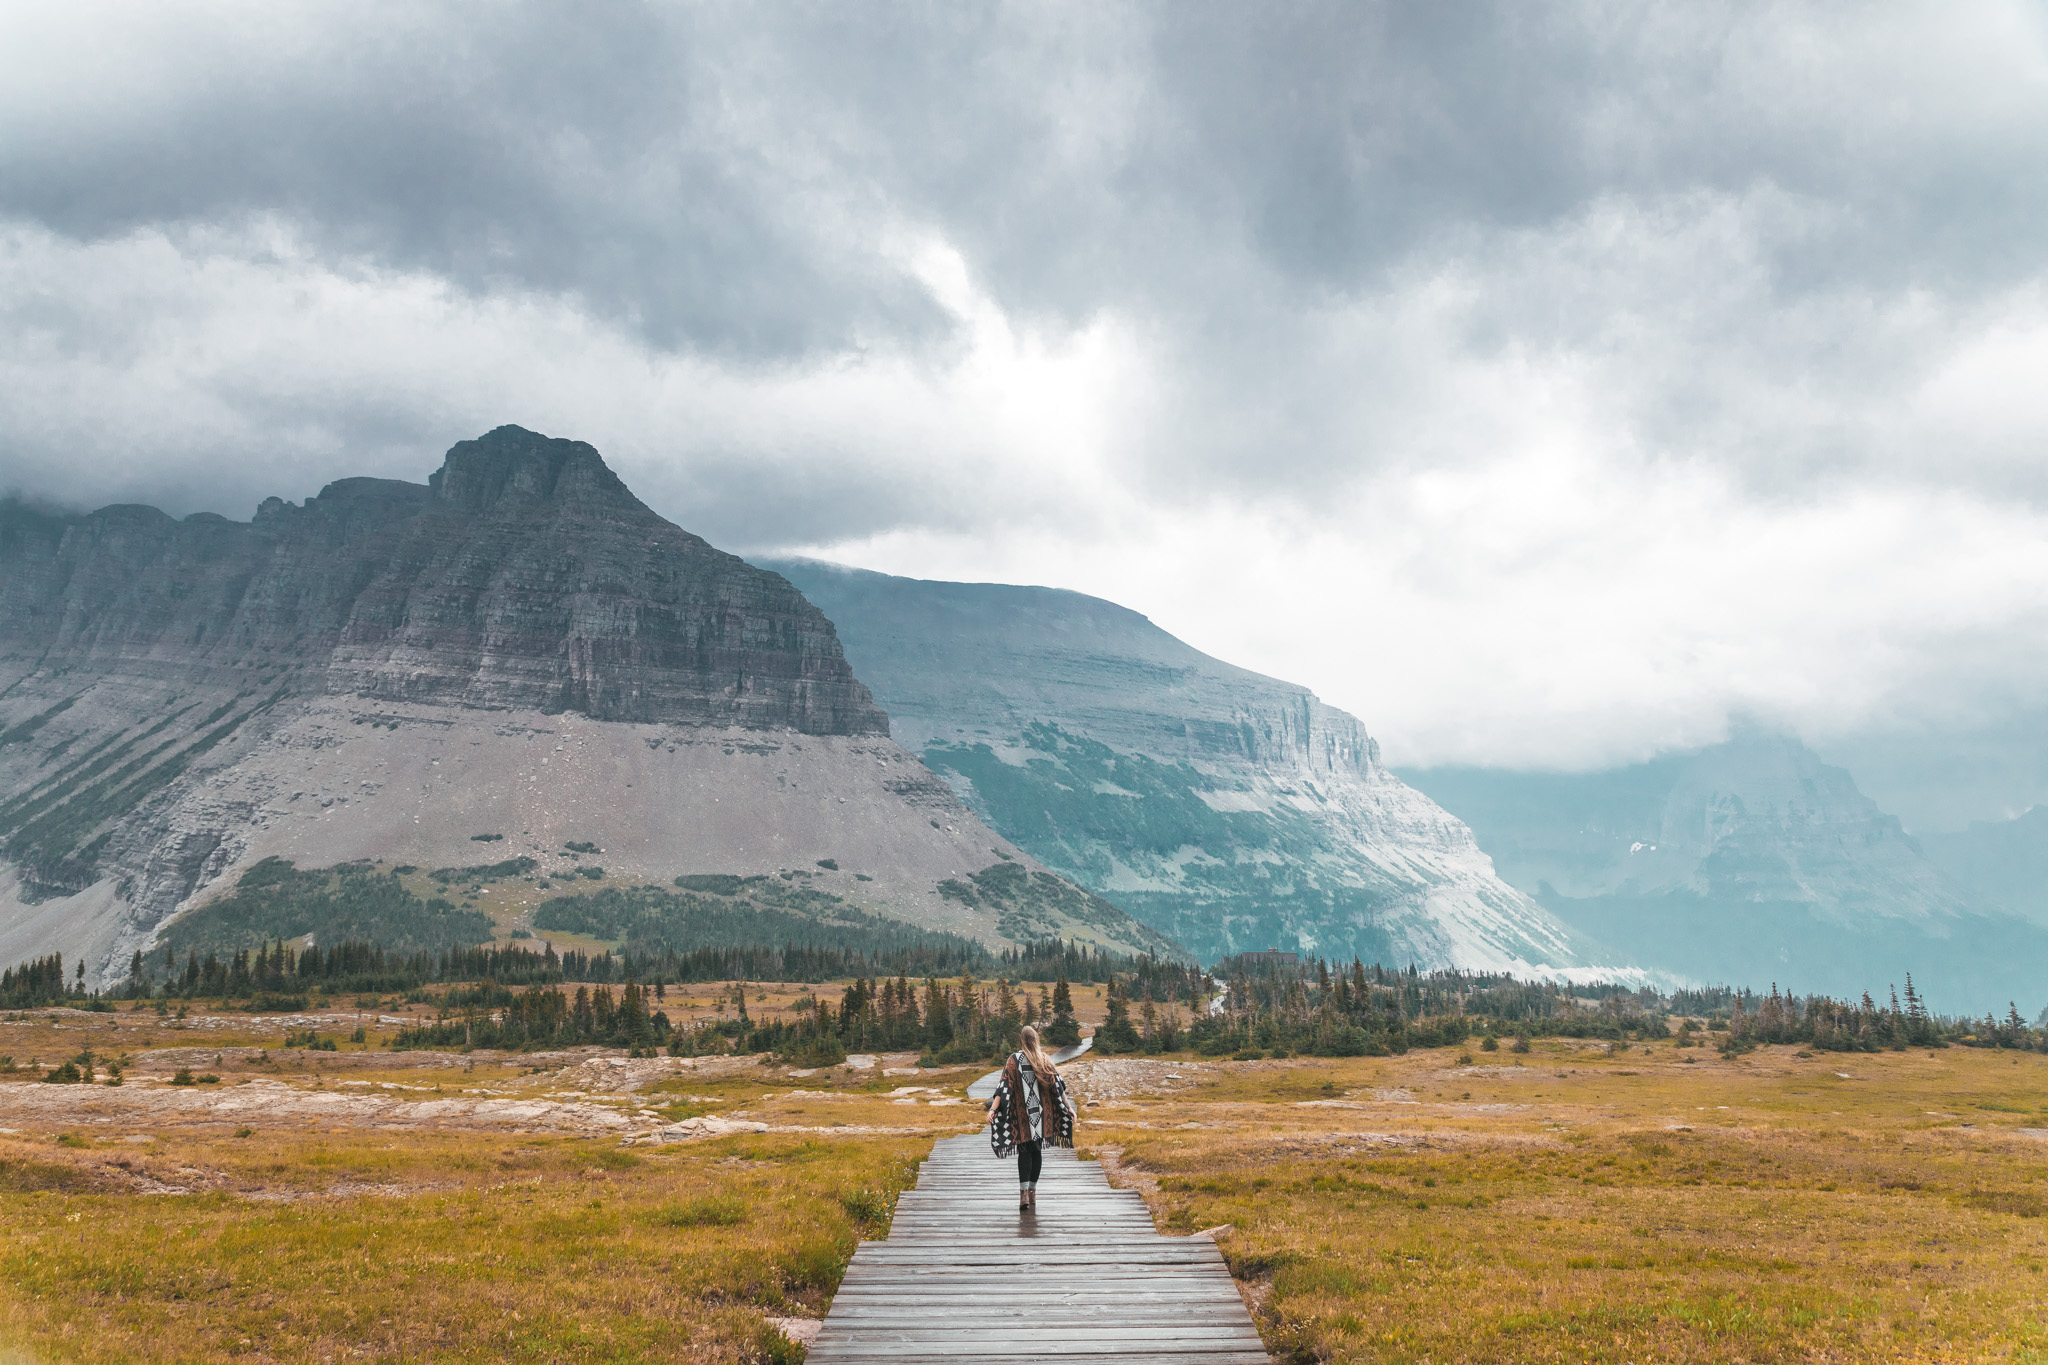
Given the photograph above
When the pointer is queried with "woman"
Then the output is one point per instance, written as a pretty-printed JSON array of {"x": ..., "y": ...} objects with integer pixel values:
[{"x": 1030, "y": 1109}]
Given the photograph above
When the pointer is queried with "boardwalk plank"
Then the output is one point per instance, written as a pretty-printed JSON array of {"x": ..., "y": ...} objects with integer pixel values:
[{"x": 964, "y": 1277}]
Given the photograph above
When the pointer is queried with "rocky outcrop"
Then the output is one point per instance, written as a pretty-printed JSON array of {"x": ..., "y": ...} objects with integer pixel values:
[
  {"x": 1227, "y": 809},
  {"x": 517, "y": 648},
  {"x": 522, "y": 575}
]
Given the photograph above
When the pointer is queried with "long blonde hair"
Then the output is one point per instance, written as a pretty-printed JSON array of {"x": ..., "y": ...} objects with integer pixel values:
[{"x": 1034, "y": 1053}]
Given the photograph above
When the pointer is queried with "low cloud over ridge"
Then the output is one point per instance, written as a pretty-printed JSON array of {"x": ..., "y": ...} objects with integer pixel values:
[{"x": 1545, "y": 386}]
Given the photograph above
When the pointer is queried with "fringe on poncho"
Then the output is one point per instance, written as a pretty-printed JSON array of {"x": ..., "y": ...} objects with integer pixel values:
[{"x": 1050, "y": 1121}]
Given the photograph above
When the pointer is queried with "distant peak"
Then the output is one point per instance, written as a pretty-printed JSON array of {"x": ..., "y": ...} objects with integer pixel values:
[{"x": 513, "y": 465}]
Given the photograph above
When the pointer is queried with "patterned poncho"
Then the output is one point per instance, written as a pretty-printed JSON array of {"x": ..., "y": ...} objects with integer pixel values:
[{"x": 1028, "y": 1109}]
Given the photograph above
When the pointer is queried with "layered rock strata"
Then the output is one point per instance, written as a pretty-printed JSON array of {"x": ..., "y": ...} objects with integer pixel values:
[
  {"x": 1233, "y": 811},
  {"x": 518, "y": 647},
  {"x": 523, "y": 574}
]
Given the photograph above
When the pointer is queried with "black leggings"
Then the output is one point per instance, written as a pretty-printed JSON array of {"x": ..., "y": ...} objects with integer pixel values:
[{"x": 1029, "y": 1162}]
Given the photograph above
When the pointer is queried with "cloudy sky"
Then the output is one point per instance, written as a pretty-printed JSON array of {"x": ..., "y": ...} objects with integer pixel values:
[{"x": 1547, "y": 384}]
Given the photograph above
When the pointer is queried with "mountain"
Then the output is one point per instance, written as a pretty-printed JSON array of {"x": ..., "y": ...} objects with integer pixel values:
[
  {"x": 517, "y": 651},
  {"x": 1749, "y": 862},
  {"x": 2003, "y": 862},
  {"x": 1232, "y": 811}
]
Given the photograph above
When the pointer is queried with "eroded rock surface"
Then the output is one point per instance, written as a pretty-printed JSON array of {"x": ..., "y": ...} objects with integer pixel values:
[
  {"x": 1229, "y": 810},
  {"x": 518, "y": 649}
]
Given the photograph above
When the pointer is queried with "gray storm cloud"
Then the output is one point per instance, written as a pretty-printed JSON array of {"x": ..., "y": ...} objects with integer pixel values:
[{"x": 1001, "y": 289}]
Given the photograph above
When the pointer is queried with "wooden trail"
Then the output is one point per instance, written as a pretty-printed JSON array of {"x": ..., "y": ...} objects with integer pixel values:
[
  {"x": 964, "y": 1277},
  {"x": 984, "y": 1089}
]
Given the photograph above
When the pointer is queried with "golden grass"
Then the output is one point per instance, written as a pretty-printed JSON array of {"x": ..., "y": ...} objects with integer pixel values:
[
  {"x": 302, "y": 1241},
  {"x": 1635, "y": 1208},
  {"x": 1566, "y": 1205},
  {"x": 473, "y": 1247}
]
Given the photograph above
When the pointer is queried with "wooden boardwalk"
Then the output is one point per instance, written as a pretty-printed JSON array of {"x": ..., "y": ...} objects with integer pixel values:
[{"x": 964, "y": 1277}]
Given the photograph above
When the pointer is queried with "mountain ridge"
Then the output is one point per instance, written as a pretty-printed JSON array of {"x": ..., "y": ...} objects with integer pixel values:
[
  {"x": 522, "y": 574},
  {"x": 1228, "y": 809},
  {"x": 517, "y": 646},
  {"x": 1750, "y": 861}
]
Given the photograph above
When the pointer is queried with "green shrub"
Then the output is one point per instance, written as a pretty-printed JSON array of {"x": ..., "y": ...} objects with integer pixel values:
[
  {"x": 868, "y": 1207},
  {"x": 710, "y": 1211},
  {"x": 275, "y": 900},
  {"x": 485, "y": 872},
  {"x": 816, "y": 1050},
  {"x": 711, "y": 883},
  {"x": 814, "y": 1265}
]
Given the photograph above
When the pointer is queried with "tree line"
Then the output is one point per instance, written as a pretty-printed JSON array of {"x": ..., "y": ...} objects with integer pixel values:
[
  {"x": 946, "y": 1021},
  {"x": 1252, "y": 1005},
  {"x": 279, "y": 976},
  {"x": 1324, "y": 1009}
]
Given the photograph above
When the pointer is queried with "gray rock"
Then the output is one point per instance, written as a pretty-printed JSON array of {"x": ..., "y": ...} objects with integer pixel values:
[
  {"x": 1749, "y": 863},
  {"x": 517, "y": 647},
  {"x": 1230, "y": 810}
]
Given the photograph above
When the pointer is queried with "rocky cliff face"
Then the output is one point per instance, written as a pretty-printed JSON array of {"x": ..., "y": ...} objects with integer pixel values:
[
  {"x": 1749, "y": 862},
  {"x": 522, "y": 575},
  {"x": 517, "y": 647},
  {"x": 1230, "y": 810}
]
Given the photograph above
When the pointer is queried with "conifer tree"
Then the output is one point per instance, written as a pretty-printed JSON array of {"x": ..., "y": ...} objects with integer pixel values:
[
  {"x": 1065, "y": 1030},
  {"x": 938, "y": 1014},
  {"x": 1117, "y": 1033}
]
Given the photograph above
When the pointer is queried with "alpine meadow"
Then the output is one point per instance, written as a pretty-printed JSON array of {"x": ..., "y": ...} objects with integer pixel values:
[{"x": 1164, "y": 684}]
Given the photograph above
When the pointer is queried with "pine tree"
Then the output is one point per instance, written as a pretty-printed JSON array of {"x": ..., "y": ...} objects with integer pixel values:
[
  {"x": 1065, "y": 1030},
  {"x": 633, "y": 1021},
  {"x": 1917, "y": 1022},
  {"x": 1117, "y": 1033},
  {"x": 938, "y": 1014}
]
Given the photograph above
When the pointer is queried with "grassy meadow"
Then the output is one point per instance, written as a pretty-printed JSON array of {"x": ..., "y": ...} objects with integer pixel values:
[
  {"x": 1654, "y": 1205},
  {"x": 1568, "y": 1204},
  {"x": 451, "y": 1247}
]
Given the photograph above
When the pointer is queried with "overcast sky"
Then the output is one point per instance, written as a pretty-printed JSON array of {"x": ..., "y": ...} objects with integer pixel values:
[{"x": 1547, "y": 384}]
